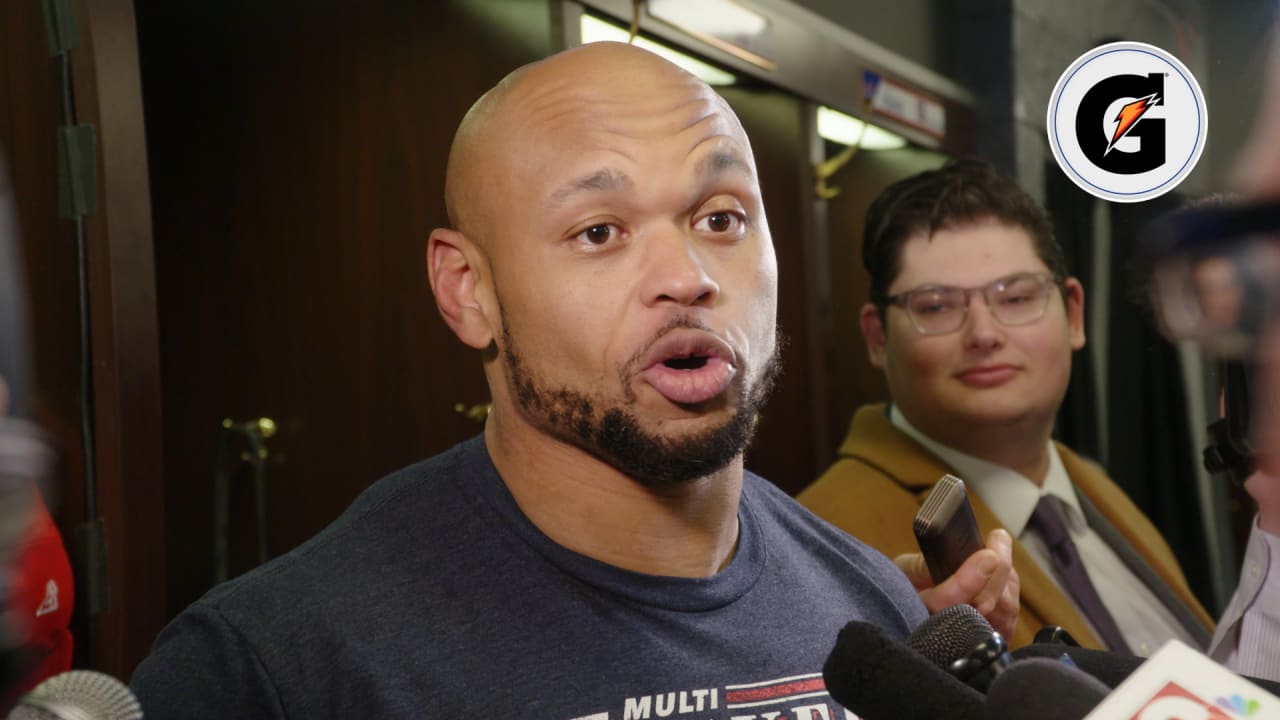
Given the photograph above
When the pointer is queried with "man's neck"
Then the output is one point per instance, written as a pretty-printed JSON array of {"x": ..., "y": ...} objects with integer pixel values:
[
  {"x": 1021, "y": 446},
  {"x": 588, "y": 506}
]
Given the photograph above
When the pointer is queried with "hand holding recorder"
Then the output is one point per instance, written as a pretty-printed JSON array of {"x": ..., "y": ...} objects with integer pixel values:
[{"x": 955, "y": 567}]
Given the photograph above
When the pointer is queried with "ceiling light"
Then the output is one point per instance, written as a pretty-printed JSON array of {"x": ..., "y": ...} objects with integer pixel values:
[
  {"x": 722, "y": 18},
  {"x": 596, "y": 30},
  {"x": 837, "y": 127}
]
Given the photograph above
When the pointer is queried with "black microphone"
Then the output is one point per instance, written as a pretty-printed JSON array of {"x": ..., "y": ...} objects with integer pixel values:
[
  {"x": 959, "y": 640},
  {"x": 1041, "y": 688},
  {"x": 880, "y": 678},
  {"x": 78, "y": 695}
]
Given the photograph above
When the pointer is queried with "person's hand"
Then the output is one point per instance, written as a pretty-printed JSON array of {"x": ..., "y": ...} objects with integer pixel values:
[
  {"x": 1265, "y": 490},
  {"x": 986, "y": 580}
]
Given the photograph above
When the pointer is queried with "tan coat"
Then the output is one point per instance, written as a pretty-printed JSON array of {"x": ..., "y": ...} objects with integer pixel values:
[{"x": 882, "y": 476}]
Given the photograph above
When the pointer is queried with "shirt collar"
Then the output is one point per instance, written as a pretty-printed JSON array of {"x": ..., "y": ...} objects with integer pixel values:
[{"x": 1011, "y": 495}]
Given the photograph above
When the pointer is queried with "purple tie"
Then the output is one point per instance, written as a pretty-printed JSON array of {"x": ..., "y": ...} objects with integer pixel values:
[{"x": 1047, "y": 520}]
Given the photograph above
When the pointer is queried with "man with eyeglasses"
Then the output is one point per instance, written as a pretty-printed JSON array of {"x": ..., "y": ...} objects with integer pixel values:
[{"x": 973, "y": 318}]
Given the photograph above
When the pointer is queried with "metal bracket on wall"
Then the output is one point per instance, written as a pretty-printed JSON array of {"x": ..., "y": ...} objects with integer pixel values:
[
  {"x": 60, "y": 25},
  {"x": 92, "y": 588},
  {"x": 77, "y": 171}
]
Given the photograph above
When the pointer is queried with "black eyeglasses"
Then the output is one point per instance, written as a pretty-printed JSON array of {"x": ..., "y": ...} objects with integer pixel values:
[
  {"x": 1013, "y": 300},
  {"x": 1215, "y": 275}
]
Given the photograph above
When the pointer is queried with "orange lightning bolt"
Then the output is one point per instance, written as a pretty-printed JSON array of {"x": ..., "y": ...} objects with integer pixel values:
[{"x": 1128, "y": 117}]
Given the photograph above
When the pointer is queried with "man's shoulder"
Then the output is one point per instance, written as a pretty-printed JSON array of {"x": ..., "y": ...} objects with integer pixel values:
[
  {"x": 1075, "y": 462},
  {"x": 876, "y": 458},
  {"x": 385, "y": 530},
  {"x": 874, "y": 441},
  {"x": 794, "y": 521},
  {"x": 796, "y": 535},
  {"x": 391, "y": 561},
  {"x": 1091, "y": 478},
  {"x": 873, "y": 488}
]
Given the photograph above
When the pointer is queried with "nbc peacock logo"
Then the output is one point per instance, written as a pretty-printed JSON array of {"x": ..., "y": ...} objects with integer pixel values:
[{"x": 1240, "y": 705}]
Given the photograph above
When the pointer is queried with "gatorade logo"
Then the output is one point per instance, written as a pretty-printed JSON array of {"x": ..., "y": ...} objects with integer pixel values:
[{"x": 1127, "y": 122}]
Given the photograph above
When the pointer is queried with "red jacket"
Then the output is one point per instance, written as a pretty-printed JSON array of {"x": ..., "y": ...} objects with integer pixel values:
[{"x": 41, "y": 599}]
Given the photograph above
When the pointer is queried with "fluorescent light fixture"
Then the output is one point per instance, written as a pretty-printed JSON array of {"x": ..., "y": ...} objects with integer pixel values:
[
  {"x": 721, "y": 18},
  {"x": 835, "y": 126},
  {"x": 722, "y": 24},
  {"x": 596, "y": 30}
]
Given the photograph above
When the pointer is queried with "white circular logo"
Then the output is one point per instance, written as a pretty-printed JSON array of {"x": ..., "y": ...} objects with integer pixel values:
[{"x": 1127, "y": 122}]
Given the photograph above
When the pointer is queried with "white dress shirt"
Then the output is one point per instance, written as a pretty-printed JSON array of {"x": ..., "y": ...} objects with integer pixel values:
[
  {"x": 1247, "y": 636},
  {"x": 1143, "y": 620}
]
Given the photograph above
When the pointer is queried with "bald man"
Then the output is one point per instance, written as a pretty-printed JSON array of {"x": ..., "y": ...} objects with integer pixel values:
[{"x": 599, "y": 550}]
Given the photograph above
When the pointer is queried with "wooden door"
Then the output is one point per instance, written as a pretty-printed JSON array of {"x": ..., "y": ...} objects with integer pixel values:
[{"x": 297, "y": 154}]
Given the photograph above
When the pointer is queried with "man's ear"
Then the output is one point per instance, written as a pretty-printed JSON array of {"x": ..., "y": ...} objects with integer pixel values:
[
  {"x": 457, "y": 271},
  {"x": 1074, "y": 298},
  {"x": 873, "y": 333}
]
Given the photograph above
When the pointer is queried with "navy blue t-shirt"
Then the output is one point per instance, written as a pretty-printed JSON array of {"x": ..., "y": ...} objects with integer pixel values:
[{"x": 434, "y": 596}]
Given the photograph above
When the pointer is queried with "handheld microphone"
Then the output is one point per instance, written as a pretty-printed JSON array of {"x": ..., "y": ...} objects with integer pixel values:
[
  {"x": 1043, "y": 689},
  {"x": 946, "y": 529},
  {"x": 880, "y": 678},
  {"x": 78, "y": 695},
  {"x": 959, "y": 640}
]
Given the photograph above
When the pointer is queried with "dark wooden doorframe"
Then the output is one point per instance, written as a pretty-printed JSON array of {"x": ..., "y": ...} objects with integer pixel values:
[
  {"x": 126, "y": 374},
  {"x": 125, "y": 399}
]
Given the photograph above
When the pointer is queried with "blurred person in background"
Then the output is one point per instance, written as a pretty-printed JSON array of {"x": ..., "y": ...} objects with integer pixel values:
[{"x": 1215, "y": 280}]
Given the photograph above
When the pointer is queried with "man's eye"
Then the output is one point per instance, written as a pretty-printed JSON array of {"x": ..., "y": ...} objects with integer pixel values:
[
  {"x": 933, "y": 304},
  {"x": 720, "y": 222},
  {"x": 598, "y": 234},
  {"x": 935, "y": 308}
]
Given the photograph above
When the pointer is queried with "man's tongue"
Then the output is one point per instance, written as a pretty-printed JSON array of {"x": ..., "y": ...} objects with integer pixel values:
[{"x": 691, "y": 379}]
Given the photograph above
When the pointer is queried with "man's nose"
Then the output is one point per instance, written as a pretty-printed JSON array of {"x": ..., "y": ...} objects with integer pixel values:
[
  {"x": 677, "y": 271},
  {"x": 982, "y": 331}
]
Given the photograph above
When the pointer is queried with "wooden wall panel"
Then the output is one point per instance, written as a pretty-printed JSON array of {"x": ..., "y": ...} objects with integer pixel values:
[
  {"x": 297, "y": 154},
  {"x": 853, "y": 381},
  {"x": 788, "y": 446}
]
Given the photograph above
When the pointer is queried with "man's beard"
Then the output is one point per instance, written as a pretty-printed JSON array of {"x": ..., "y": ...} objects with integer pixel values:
[{"x": 612, "y": 432}]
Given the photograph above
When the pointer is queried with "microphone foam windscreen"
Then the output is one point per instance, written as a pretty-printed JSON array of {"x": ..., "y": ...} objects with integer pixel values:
[
  {"x": 1043, "y": 689},
  {"x": 880, "y": 678},
  {"x": 950, "y": 634},
  {"x": 1109, "y": 667},
  {"x": 78, "y": 694}
]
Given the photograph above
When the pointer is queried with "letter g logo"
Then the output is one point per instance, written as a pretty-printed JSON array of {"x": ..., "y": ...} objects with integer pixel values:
[
  {"x": 1127, "y": 122},
  {"x": 1116, "y": 108}
]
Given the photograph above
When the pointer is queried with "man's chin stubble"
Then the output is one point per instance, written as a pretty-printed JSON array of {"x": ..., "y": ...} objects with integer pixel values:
[{"x": 615, "y": 435}]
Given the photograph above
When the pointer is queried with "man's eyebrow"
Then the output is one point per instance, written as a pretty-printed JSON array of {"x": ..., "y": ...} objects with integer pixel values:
[
  {"x": 602, "y": 180},
  {"x": 721, "y": 162}
]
